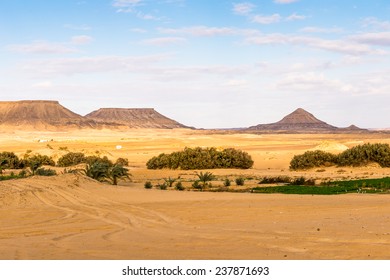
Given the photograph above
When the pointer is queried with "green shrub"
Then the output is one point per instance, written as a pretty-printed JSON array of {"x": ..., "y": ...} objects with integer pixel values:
[
  {"x": 162, "y": 186},
  {"x": 122, "y": 161},
  {"x": 312, "y": 159},
  {"x": 148, "y": 185},
  {"x": 8, "y": 160},
  {"x": 201, "y": 158},
  {"x": 94, "y": 159},
  {"x": 45, "y": 172},
  {"x": 364, "y": 154},
  {"x": 240, "y": 181},
  {"x": 41, "y": 159},
  {"x": 179, "y": 186},
  {"x": 71, "y": 159},
  {"x": 227, "y": 182}
]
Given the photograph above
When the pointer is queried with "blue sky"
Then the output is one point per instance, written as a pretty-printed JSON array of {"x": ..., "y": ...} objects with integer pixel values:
[{"x": 210, "y": 64}]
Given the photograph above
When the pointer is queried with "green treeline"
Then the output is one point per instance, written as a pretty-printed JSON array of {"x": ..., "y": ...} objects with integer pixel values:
[
  {"x": 202, "y": 158},
  {"x": 360, "y": 155}
]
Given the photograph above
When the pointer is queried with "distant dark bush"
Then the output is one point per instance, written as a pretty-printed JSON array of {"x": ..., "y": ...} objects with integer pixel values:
[
  {"x": 179, "y": 186},
  {"x": 71, "y": 159},
  {"x": 122, "y": 161},
  {"x": 364, "y": 154},
  {"x": 202, "y": 158},
  {"x": 240, "y": 181},
  {"x": 227, "y": 182},
  {"x": 312, "y": 159},
  {"x": 302, "y": 181},
  {"x": 148, "y": 185},
  {"x": 45, "y": 172},
  {"x": 274, "y": 180}
]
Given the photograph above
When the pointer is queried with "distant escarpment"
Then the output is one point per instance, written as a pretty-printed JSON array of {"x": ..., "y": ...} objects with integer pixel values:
[
  {"x": 134, "y": 118},
  {"x": 41, "y": 115}
]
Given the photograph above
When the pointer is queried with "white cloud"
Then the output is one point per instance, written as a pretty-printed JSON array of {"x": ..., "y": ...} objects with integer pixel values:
[
  {"x": 164, "y": 41},
  {"x": 43, "y": 85},
  {"x": 41, "y": 47},
  {"x": 375, "y": 23},
  {"x": 295, "y": 17},
  {"x": 378, "y": 38},
  {"x": 266, "y": 19},
  {"x": 98, "y": 64},
  {"x": 312, "y": 29},
  {"x": 126, "y": 6},
  {"x": 243, "y": 8},
  {"x": 285, "y": 1},
  {"x": 81, "y": 40},
  {"x": 209, "y": 31},
  {"x": 339, "y": 46}
]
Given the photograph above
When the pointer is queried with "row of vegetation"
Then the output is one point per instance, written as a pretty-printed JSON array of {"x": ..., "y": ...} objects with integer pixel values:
[
  {"x": 360, "y": 155},
  {"x": 202, "y": 158},
  {"x": 285, "y": 185},
  {"x": 101, "y": 169},
  {"x": 202, "y": 182},
  {"x": 336, "y": 187}
]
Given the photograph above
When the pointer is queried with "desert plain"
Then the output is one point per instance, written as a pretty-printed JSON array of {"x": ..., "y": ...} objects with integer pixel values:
[{"x": 70, "y": 216}]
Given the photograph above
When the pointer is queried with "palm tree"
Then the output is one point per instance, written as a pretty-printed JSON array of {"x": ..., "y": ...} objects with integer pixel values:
[
  {"x": 204, "y": 178},
  {"x": 169, "y": 181},
  {"x": 116, "y": 172},
  {"x": 96, "y": 170}
]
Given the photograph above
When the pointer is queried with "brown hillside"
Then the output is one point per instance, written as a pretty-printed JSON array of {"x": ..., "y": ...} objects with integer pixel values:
[
  {"x": 134, "y": 118},
  {"x": 40, "y": 114},
  {"x": 299, "y": 120}
]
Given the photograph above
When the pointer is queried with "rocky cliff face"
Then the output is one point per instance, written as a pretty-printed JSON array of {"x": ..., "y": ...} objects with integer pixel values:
[{"x": 134, "y": 118}]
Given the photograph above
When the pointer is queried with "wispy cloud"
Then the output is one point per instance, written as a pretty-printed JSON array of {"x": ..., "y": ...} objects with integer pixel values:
[
  {"x": 285, "y": 1},
  {"x": 98, "y": 64},
  {"x": 373, "y": 22},
  {"x": 164, "y": 41},
  {"x": 295, "y": 17},
  {"x": 378, "y": 38},
  {"x": 313, "y": 29},
  {"x": 243, "y": 8},
  {"x": 41, "y": 47},
  {"x": 208, "y": 31},
  {"x": 262, "y": 19},
  {"x": 339, "y": 46},
  {"x": 81, "y": 40},
  {"x": 126, "y": 6}
]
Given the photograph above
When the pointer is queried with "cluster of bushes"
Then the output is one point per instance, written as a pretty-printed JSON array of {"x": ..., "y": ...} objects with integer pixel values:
[
  {"x": 202, "y": 158},
  {"x": 9, "y": 160},
  {"x": 357, "y": 156},
  {"x": 72, "y": 158},
  {"x": 98, "y": 168},
  {"x": 168, "y": 183}
]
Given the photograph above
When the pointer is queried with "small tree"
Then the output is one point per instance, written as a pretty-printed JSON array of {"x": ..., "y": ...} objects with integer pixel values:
[
  {"x": 169, "y": 181},
  {"x": 34, "y": 165},
  {"x": 240, "y": 181},
  {"x": 204, "y": 178},
  {"x": 116, "y": 173}
]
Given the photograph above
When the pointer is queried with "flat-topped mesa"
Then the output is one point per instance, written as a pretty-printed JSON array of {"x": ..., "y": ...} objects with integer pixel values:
[
  {"x": 40, "y": 114},
  {"x": 299, "y": 120},
  {"x": 134, "y": 118}
]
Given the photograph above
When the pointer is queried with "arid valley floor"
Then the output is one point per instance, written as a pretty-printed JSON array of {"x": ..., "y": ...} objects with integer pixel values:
[{"x": 73, "y": 217}]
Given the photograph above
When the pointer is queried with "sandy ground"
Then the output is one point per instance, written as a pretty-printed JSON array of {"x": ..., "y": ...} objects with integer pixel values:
[{"x": 72, "y": 217}]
